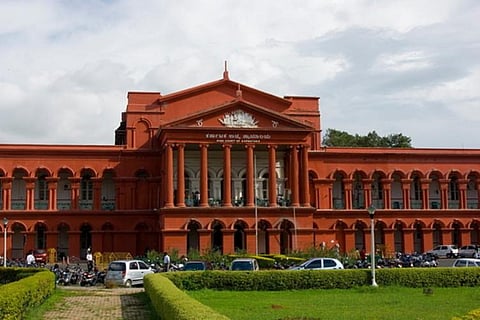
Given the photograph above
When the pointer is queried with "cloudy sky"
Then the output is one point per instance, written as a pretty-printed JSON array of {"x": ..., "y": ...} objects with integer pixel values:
[{"x": 410, "y": 67}]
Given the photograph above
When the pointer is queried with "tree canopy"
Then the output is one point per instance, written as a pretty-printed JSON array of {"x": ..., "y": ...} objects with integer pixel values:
[{"x": 337, "y": 138}]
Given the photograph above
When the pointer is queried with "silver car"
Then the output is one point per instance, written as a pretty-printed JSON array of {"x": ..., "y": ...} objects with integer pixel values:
[
  {"x": 466, "y": 262},
  {"x": 470, "y": 251},
  {"x": 126, "y": 273},
  {"x": 444, "y": 251},
  {"x": 319, "y": 264}
]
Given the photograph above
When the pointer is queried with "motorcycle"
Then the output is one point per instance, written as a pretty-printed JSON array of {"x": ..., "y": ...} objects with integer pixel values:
[{"x": 88, "y": 278}]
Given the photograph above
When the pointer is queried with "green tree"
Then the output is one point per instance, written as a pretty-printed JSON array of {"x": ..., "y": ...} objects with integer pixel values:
[{"x": 337, "y": 138}]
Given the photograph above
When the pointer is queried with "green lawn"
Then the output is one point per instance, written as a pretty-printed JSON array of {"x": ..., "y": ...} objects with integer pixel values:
[{"x": 361, "y": 303}]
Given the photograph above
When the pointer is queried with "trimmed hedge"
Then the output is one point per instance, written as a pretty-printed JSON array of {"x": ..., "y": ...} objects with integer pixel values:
[
  {"x": 172, "y": 303},
  {"x": 278, "y": 280},
  {"x": 17, "y": 297}
]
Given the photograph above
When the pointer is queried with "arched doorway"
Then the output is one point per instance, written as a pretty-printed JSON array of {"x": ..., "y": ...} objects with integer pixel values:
[
  {"x": 456, "y": 235},
  {"x": 263, "y": 237},
  {"x": 19, "y": 238},
  {"x": 418, "y": 237},
  {"x": 437, "y": 234},
  {"x": 107, "y": 238},
  {"x": 193, "y": 238},
  {"x": 239, "y": 237},
  {"x": 217, "y": 236},
  {"x": 474, "y": 233},
  {"x": 62, "y": 244},
  {"x": 40, "y": 236},
  {"x": 399, "y": 245},
  {"x": 286, "y": 238},
  {"x": 360, "y": 235},
  {"x": 85, "y": 239},
  {"x": 142, "y": 232}
]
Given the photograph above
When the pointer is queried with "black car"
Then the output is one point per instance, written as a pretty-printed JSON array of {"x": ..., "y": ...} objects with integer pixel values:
[{"x": 197, "y": 265}]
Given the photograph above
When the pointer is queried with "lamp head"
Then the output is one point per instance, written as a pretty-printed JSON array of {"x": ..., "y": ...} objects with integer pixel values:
[
  {"x": 371, "y": 211},
  {"x": 5, "y": 222}
]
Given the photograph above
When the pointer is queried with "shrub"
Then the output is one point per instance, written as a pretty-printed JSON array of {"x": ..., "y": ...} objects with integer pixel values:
[
  {"x": 17, "y": 297},
  {"x": 172, "y": 303}
]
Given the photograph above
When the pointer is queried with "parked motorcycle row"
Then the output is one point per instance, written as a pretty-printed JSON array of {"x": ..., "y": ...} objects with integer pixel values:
[
  {"x": 415, "y": 260},
  {"x": 74, "y": 274}
]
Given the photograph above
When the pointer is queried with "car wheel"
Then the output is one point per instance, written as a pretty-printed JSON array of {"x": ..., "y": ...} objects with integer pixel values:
[{"x": 128, "y": 284}]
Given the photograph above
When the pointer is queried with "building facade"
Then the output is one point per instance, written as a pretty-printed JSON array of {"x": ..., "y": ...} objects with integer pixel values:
[{"x": 227, "y": 167}]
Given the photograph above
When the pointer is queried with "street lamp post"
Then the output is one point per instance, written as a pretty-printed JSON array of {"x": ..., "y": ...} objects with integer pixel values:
[
  {"x": 5, "y": 224},
  {"x": 371, "y": 212}
]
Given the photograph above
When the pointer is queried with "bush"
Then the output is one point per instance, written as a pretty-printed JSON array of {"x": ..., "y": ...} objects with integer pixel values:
[
  {"x": 17, "y": 297},
  {"x": 277, "y": 280},
  {"x": 172, "y": 303}
]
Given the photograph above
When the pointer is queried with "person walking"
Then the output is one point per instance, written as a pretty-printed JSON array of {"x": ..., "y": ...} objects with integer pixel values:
[
  {"x": 89, "y": 260},
  {"x": 166, "y": 262}
]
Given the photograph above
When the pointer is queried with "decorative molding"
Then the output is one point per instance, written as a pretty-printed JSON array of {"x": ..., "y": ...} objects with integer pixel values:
[{"x": 238, "y": 119}]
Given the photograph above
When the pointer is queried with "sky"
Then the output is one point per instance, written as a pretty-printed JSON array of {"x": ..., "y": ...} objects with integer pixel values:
[{"x": 409, "y": 67}]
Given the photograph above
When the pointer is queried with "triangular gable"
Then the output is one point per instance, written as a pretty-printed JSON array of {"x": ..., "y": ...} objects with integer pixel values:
[
  {"x": 215, "y": 85},
  {"x": 238, "y": 114}
]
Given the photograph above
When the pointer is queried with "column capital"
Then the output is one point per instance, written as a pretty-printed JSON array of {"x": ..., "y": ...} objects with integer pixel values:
[
  {"x": 272, "y": 146},
  {"x": 179, "y": 145},
  {"x": 226, "y": 145}
]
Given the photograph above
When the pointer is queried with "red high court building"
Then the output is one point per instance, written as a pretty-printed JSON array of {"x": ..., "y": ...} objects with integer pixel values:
[{"x": 226, "y": 166}]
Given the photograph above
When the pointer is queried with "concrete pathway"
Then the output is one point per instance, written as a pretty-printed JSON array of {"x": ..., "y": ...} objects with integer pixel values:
[{"x": 100, "y": 303}]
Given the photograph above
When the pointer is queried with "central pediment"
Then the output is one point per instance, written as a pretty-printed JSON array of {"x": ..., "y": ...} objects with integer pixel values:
[{"x": 238, "y": 115}]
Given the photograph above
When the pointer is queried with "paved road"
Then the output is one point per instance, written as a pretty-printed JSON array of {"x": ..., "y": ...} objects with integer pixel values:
[
  {"x": 100, "y": 303},
  {"x": 445, "y": 262}
]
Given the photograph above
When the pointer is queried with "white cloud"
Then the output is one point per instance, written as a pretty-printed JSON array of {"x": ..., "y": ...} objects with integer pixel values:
[{"x": 69, "y": 65}]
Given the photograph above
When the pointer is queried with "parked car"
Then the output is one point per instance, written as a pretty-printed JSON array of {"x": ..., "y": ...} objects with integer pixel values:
[
  {"x": 319, "y": 264},
  {"x": 126, "y": 273},
  {"x": 444, "y": 251},
  {"x": 469, "y": 251},
  {"x": 466, "y": 262},
  {"x": 197, "y": 265},
  {"x": 40, "y": 256},
  {"x": 244, "y": 264}
]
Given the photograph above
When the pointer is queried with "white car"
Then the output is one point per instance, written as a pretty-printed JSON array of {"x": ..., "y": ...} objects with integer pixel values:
[
  {"x": 126, "y": 273},
  {"x": 319, "y": 264},
  {"x": 469, "y": 251},
  {"x": 466, "y": 262},
  {"x": 444, "y": 251},
  {"x": 244, "y": 264}
]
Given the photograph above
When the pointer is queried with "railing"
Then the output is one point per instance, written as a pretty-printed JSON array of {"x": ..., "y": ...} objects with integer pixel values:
[
  {"x": 19, "y": 204},
  {"x": 397, "y": 203},
  {"x": 416, "y": 204},
  {"x": 453, "y": 204},
  {"x": 472, "y": 204},
  {"x": 64, "y": 204},
  {"x": 378, "y": 204},
  {"x": 108, "y": 205},
  {"x": 338, "y": 204},
  {"x": 435, "y": 205},
  {"x": 41, "y": 204},
  {"x": 85, "y": 204}
]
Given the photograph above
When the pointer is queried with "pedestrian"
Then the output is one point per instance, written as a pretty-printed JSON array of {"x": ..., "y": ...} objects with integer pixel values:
[
  {"x": 363, "y": 254},
  {"x": 30, "y": 259},
  {"x": 89, "y": 260},
  {"x": 166, "y": 262}
]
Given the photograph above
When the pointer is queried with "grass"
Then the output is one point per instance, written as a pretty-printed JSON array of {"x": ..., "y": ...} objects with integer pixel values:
[
  {"x": 50, "y": 304},
  {"x": 392, "y": 303},
  {"x": 57, "y": 301}
]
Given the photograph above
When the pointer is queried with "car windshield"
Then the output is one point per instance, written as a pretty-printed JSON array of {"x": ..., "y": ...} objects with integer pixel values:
[
  {"x": 116, "y": 266},
  {"x": 193, "y": 266},
  {"x": 242, "y": 265}
]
